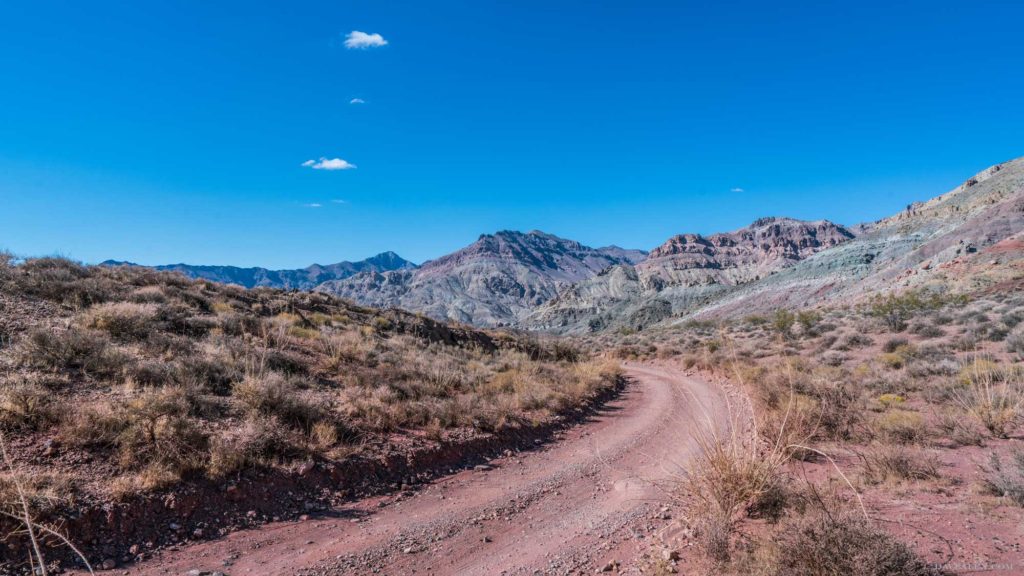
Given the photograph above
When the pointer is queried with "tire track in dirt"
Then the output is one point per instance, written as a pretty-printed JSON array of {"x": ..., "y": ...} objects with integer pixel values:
[{"x": 595, "y": 496}]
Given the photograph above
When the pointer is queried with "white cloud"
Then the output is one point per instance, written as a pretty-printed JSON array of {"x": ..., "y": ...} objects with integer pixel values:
[
  {"x": 737, "y": 189},
  {"x": 357, "y": 101},
  {"x": 329, "y": 164},
  {"x": 312, "y": 205},
  {"x": 339, "y": 201},
  {"x": 361, "y": 40}
]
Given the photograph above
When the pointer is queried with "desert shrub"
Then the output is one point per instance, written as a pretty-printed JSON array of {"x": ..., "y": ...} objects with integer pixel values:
[
  {"x": 833, "y": 358},
  {"x": 854, "y": 340},
  {"x": 954, "y": 424},
  {"x": 840, "y": 542},
  {"x": 61, "y": 280},
  {"x": 892, "y": 344},
  {"x": 25, "y": 404},
  {"x": 898, "y": 462},
  {"x": 783, "y": 321},
  {"x": 993, "y": 395},
  {"x": 902, "y": 426},
  {"x": 729, "y": 476},
  {"x": 1006, "y": 481},
  {"x": 258, "y": 442},
  {"x": 890, "y": 400},
  {"x": 808, "y": 319},
  {"x": 895, "y": 309},
  {"x": 275, "y": 394},
  {"x": 841, "y": 409},
  {"x": 71, "y": 349},
  {"x": 124, "y": 321},
  {"x": 926, "y": 330},
  {"x": 1015, "y": 343},
  {"x": 151, "y": 429}
]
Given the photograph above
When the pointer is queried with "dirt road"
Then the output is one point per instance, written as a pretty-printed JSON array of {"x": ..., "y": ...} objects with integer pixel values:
[{"x": 596, "y": 496}]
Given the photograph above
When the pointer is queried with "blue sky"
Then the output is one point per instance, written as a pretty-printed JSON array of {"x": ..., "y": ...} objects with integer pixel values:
[{"x": 164, "y": 132}]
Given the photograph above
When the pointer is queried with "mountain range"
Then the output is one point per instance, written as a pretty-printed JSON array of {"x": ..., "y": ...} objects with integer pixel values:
[
  {"x": 967, "y": 238},
  {"x": 300, "y": 279}
]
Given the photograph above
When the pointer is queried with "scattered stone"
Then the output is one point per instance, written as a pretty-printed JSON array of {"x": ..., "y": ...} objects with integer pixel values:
[{"x": 109, "y": 564}]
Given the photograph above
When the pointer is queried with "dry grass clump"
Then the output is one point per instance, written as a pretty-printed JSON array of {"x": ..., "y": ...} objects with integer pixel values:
[
  {"x": 26, "y": 405},
  {"x": 278, "y": 395},
  {"x": 831, "y": 542},
  {"x": 992, "y": 394},
  {"x": 898, "y": 462},
  {"x": 814, "y": 403},
  {"x": 124, "y": 321},
  {"x": 727, "y": 478},
  {"x": 901, "y": 426},
  {"x": 69, "y": 350}
]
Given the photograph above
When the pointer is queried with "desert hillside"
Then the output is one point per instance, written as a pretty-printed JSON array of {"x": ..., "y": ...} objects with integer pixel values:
[{"x": 126, "y": 388}]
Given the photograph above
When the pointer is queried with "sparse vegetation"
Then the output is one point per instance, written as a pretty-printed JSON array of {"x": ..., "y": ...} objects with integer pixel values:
[
  {"x": 159, "y": 380},
  {"x": 888, "y": 389}
]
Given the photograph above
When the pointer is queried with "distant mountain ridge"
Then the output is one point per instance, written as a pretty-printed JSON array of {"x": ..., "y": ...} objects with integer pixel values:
[
  {"x": 968, "y": 239},
  {"x": 493, "y": 281},
  {"x": 299, "y": 279},
  {"x": 965, "y": 239},
  {"x": 687, "y": 268}
]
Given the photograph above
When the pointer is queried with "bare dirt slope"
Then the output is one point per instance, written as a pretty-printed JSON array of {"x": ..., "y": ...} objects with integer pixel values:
[{"x": 596, "y": 496}]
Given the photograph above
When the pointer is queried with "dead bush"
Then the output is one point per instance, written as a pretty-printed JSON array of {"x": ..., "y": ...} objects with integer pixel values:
[
  {"x": 993, "y": 395},
  {"x": 275, "y": 394},
  {"x": 123, "y": 321},
  {"x": 1006, "y": 481},
  {"x": 840, "y": 542},
  {"x": 25, "y": 404},
  {"x": 897, "y": 463},
  {"x": 71, "y": 349}
]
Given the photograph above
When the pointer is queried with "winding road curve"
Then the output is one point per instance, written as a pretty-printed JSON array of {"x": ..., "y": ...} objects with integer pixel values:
[{"x": 597, "y": 495}]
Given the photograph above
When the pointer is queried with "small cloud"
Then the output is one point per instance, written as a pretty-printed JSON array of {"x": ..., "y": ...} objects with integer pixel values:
[
  {"x": 737, "y": 189},
  {"x": 329, "y": 164},
  {"x": 339, "y": 201},
  {"x": 357, "y": 101},
  {"x": 361, "y": 40},
  {"x": 312, "y": 205}
]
